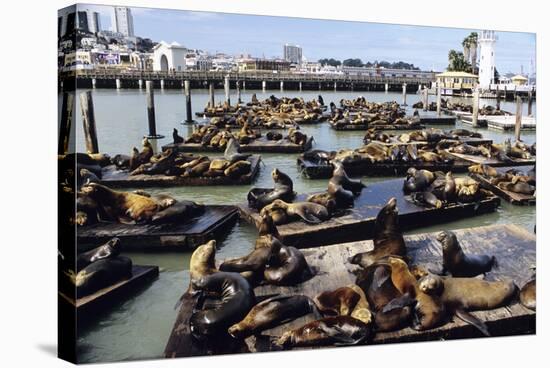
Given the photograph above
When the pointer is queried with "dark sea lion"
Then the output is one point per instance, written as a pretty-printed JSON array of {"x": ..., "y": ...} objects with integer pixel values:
[
  {"x": 340, "y": 301},
  {"x": 459, "y": 264},
  {"x": 272, "y": 312},
  {"x": 518, "y": 187},
  {"x": 121, "y": 206},
  {"x": 121, "y": 161},
  {"x": 108, "y": 250},
  {"x": 177, "y": 138},
  {"x": 528, "y": 294},
  {"x": 283, "y": 189},
  {"x": 288, "y": 267},
  {"x": 255, "y": 261},
  {"x": 181, "y": 211},
  {"x": 388, "y": 238},
  {"x": 309, "y": 212},
  {"x": 102, "y": 273},
  {"x": 228, "y": 297},
  {"x": 426, "y": 199},
  {"x": 238, "y": 169},
  {"x": 86, "y": 176},
  {"x": 417, "y": 180},
  {"x": 338, "y": 330},
  {"x": 342, "y": 188},
  {"x": 449, "y": 190},
  {"x": 266, "y": 231}
]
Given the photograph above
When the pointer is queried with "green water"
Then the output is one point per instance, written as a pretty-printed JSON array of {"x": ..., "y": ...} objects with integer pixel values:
[{"x": 138, "y": 328}]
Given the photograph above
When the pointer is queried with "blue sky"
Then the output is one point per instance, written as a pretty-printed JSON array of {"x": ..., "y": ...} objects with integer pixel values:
[{"x": 426, "y": 47}]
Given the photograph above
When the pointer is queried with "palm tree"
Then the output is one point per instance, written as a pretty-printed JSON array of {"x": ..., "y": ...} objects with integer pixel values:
[
  {"x": 470, "y": 49},
  {"x": 458, "y": 63}
]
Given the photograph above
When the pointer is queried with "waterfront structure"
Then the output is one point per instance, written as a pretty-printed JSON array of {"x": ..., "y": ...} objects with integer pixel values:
[
  {"x": 264, "y": 64},
  {"x": 122, "y": 21},
  {"x": 292, "y": 53},
  {"x": 519, "y": 80},
  {"x": 486, "y": 40},
  {"x": 456, "y": 82},
  {"x": 169, "y": 57}
]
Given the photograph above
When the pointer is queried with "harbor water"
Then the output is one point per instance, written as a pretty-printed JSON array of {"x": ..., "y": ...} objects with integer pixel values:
[{"x": 138, "y": 328}]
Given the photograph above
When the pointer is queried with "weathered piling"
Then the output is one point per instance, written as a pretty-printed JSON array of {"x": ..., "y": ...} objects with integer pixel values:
[
  {"x": 530, "y": 103},
  {"x": 518, "y": 118},
  {"x": 226, "y": 88},
  {"x": 118, "y": 85},
  {"x": 211, "y": 102},
  {"x": 94, "y": 81},
  {"x": 188, "y": 110},
  {"x": 475, "y": 108},
  {"x": 88, "y": 122},
  {"x": 386, "y": 87},
  {"x": 238, "y": 85},
  {"x": 282, "y": 84},
  {"x": 151, "y": 111},
  {"x": 300, "y": 86},
  {"x": 263, "y": 85},
  {"x": 425, "y": 102},
  {"x": 335, "y": 86},
  {"x": 498, "y": 99},
  {"x": 438, "y": 95},
  {"x": 404, "y": 94},
  {"x": 66, "y": 122},
  {"x": 162, "y": 84}
]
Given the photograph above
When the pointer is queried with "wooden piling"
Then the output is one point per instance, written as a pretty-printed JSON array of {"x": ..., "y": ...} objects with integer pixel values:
[
  {"x": 300, "y": 86},
  {"x": 404, "y": 94},
  {"x": 438, "y": 95},
  {"x": 211, "y": 102},
  {"x": 475, "y": 108},
  {"x": 282, "y": 84},
  {"x": 263, "y": 86},
  {"x": 151, "y": 111},
  {"x": 67, "y": 109},
  {"x": 226, "y": 88},
  {"x": 238, "y": 85},
  {"x": 530, "y": 103},
  {"x": 386, "y": 87},
  {"x": 518, "y": 118},
  {"x": 88, "y": 121},
  {"x": 425, "y": 103},
  {"x": 188, "y": 109},
  {"x": 498, "y": 99}
]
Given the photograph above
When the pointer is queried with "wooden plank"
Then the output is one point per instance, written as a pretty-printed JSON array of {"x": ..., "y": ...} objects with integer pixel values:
[
  {"x": 122, "y": 179},
  {"x": 358, "y": 223},
  {"x": 257, "y": 145},
  {"x": 513, "y": 246},
  {"x": 87, "y": 307},
  {"x": 512, "y": 197},
  {"x": 473, "y": 159},
  {"x": 216, "y": 221}
]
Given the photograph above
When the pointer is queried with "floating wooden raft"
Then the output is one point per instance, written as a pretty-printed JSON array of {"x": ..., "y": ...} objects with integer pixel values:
[
  {"x": 437, "y": 120},
  {"x": 513, "y": 246},
  {"x": 121, "y": 179},
  {"x": 216, "y": 220},
  {"x": 358, "y": 223},
  {"x": 312, "y": 170},
  {"x": 335, "y": 126},
  {"x": 476, "y": 159},
  {"x": 257, "y": 145},
  {"x": 87, "y": 307},
  {"x": 512, "y": 197}
]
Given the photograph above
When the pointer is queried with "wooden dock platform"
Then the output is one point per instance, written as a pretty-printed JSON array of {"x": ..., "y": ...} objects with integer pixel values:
[
  {"x": 358, "y": 223},
  {"x": 258, "y": 145},
  {"x": 89, "y": 306},
  {"x": 512, "y": 197},
  {"x": 214, "y": 223},
  {"x": 508, "y": 122},
  {"x": 121, "y": 179},
  {"x": 366, "y": 126},
  {"x": 436, "y": 120},
  {"x": 478, "y": 159}
]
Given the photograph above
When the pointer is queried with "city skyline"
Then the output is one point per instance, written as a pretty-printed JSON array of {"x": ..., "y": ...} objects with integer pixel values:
[{"x": 265, "y": 36}]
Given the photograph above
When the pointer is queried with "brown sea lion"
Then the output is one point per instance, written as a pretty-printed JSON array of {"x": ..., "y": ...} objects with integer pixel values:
[
  {"x": 341, "y": 187},
  {"x": 338, "y": 330},
  {"x": 457, "y": 263},
  {"x": 417, "y": 180},
  {"x": 203, "y": 261},
  {"x": 518, "y": 187},
  {"x": 181, "y": 211},
  {"x": 266, "y": 230},
  {"x": 388, "y": 238},
  {"x": 288, "y": 267},
  {"x": 312, "y": 213},
  {"x": 255, "y": 261},
  {"x": 283, "y": 189},
  {"x": 272, "y": 312},
  {"x": 121, "y": 206},
  {"x": 340, "y": 301},
  {"x": 108, "y": 250},
  {"x": 238, "y": 169},
  {"x": 225, "y": 298},
  {"x": 528, "y": 294},
  {"x": 102, "y": 273}
]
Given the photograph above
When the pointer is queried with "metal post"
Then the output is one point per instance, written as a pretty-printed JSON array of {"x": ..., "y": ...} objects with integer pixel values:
[
  {"x": 282, "y": 84},
  {"x": 530, "y": 103},
  {"x": 475, "y": 110},
  {"x": 425, "y": 104},
  {"x": 66, "y": 123},
  {"x": 438, "y": 99},
  {"x": 238, "y": 92},
  {"x": 498, "y": 99},
  {"x": 263, "y": 86},
  {"x": 161, "y": 83},
  {"x": 88, "y": 121},
  {"x": 211, "y": 94},
  {"x": 300, "y": 86},
  {"x": 518, "y": 118},
  {"x": 244, "y": 85},
  {"x": 404, "y": 94},
  {"x": 151, "y": 111},
  {"x": 226, "y": 88},
  {"x": 386, "y": 86},
  {"x": 93, "y": 82},
  {"x": 117, "y": 83},
  {"x": 335, "y": 85},
  {"x": 188, "y": 110},
  {"x": 140, "y": 83}
]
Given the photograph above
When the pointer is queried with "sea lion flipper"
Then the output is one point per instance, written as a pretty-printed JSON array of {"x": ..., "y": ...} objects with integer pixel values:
[
  {"x": 473, "y": 320},
  {"x": 340, "y": 336},
  {"x": 309, "y": 218},
  {"x": 381, "y": 274},
  {"x": 398, "y": 303}
]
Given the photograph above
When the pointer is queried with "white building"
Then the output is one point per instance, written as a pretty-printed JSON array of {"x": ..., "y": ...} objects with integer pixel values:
[
  {"x": 292, "y": 53},
  {"x": 486, "y": 40},
  {"x": 122, "y": 21},
  {"x": 168, "y": 57}
]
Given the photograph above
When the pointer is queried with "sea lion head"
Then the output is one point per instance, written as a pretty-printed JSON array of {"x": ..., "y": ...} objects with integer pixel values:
[
  {"x": 431, "y": 284},
  {"x": 203, "y": 260},
  {"x": 111, "y": 248},
  {"x": 279, "y": 204},
  {"x": 267, "y": 227},
  {"x": 447, "y": 239},
  {"x": 275, "y": 174}
]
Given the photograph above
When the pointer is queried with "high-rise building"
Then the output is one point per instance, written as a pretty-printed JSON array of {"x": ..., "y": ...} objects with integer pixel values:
[
  {"x": 486, "y": 40},
  {"x": 84, "y": 19},
  {"x": 292, "y": 53},
  {"x": 122, "y": 21}
]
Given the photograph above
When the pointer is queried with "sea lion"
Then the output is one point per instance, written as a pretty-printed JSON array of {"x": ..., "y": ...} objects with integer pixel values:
[
  {"x": 459, "y": 264},
  {"x": 341, "y": 187},
  {"x": 121, "y": 206},
  {"x": 255, "y": 261},
  {"x": 232, "y": 154},
  {"x": 225, "y": 298},
  {"x": 528, "y": 294},
  {"x": 426, "y": 199},
  {"x": 417, "y": 180},
  {"x": 272, "y": 312},
  {"x": 258, "y": 198},
  {"x": 341, "y": 301},
  {"x": 266, "y": 230},
  {"x": 388, "y": 238},
  {"x": 102, "y": 273},
  {"x": 238, "y": 169},
  {"x": 287, "y": 267},
  {"x": 203, "y": 261},
  {"x": 108, "y": 250},
  {"x": 309, "y": 212},
  {"x": 517, "y": 187},
  {"x": 338, "y": 330},
  {"x": 177, "y": 138},
  {"x": 181, "y": 211}
]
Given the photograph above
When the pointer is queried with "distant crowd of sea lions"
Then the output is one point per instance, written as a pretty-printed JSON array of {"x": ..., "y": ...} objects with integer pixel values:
[{"x": 514, "y": 180}]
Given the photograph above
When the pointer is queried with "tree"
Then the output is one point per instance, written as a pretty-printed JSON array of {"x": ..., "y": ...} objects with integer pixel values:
[
  {"x": 496, "y": 77},
  {"x": 470, "y": 49},
  {"x": 458, "y": 63},
  {"x": 331, "y": 62},
  {"x": 353, "y": 62}
]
